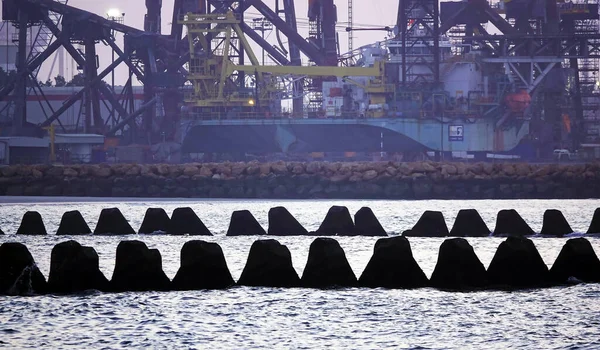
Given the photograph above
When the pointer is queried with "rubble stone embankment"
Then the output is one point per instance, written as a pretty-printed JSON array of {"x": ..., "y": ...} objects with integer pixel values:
[{"x": 391, "y": 180}]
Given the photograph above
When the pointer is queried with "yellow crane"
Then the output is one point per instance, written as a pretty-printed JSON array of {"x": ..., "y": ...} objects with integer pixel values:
[{"x": 211, "y": 69}]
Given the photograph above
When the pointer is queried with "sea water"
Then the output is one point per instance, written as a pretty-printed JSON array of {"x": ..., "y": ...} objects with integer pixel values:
[{"x": 298, "y": 318}]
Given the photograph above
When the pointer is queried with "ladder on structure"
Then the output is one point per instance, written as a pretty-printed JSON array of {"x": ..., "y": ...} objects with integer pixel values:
[{"x": 44, "y": 37}]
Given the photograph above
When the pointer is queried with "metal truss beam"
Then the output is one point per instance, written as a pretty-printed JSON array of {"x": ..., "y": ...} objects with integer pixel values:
[
  {"x": 38, "y": 89},
  {"x": 541, "y": 75},
  {"x": 534, "y": 46},
  {"x": 476, "y": 10},
  {"x": 517, "y": 59},
  {"x": 68, "y": 103},
  {"x": 130, "y": 117},
  {"x": 292, "y": 35},
  {"x": 252, "y": 34},
  {"x": 139, "y": 75},
  {"x": 81, "y": 62},
  {"x": 58, "y": 7},
  {"x": 413, "y": 13}
]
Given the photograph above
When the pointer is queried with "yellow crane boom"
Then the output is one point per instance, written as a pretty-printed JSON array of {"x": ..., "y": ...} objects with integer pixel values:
[{"x": 377, "y": 71}]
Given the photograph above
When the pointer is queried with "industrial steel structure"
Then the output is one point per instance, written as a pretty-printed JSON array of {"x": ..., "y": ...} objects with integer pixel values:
[{"x": 464, "y": 79}]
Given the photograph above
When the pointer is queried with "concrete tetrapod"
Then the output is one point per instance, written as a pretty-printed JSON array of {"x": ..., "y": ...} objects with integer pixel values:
[
  {"x": 75, "y": 268},
  {"x": 283, "y": 223},
  {"x": 458, "y": 267},
  {"x": 595, "y": 224},
  {"x": 327, "y": 266},
  {"x": 185, "y": 221},
  {"x": 555, "y": 224},
  {"x": 32, "y": 224},
  {"x": 138, "y": 268},
  {"x": 430, "y": 224},
  {"x": 112, "y": 222},
  {"x": 576, "y": 259},
  {"x": 510, "y": 223},
  {"x": 337, "y": 222},
  {"x": 203, "y": 266},
  {"x": 393, "y": 266},
  {"x": 243, "y": 223},
  {"x": 19, "y": 275},
  {"x": 469, "y": 223},
  {"x": 518, "y": 264},
  {"x": 366, "y": 223},
  {"x": 155, "y": 220},
  {"x": 269, "y": 265},
  {"x": 73, "y": 223}
]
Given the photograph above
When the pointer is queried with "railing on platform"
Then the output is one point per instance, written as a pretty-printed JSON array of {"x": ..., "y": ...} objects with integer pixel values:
[{"x": 414, "y": 114}]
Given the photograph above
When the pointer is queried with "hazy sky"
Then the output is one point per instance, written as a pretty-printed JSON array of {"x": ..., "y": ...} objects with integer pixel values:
[{"x": 371, "y": 13}]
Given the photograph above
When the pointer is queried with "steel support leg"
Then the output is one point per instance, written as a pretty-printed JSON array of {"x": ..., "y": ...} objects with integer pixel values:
[
  {"x": 149, "y": 115},
  {"x": 20, "y": 116},
  {"x": 91, "y": 74},
  {"x": 436, "y": 42},
  {"x": 88, "y": 69},
  {"x": 295, "y": 57},
  {"x": 577, "y": 121}
]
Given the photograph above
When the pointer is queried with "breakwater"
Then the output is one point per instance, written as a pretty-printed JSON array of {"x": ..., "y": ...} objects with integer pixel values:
[
  {"x": 516, "y": 264},
  {"x": 337, "y": 222},
  {"x": 298, "y": 180}
]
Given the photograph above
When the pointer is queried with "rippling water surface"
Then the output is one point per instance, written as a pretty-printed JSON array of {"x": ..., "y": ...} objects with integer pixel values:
[{"x": 241, "y": 317}]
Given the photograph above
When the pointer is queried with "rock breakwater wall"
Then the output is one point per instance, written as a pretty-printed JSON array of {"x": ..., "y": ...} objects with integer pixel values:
[{"x": 386, "y": 180}]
